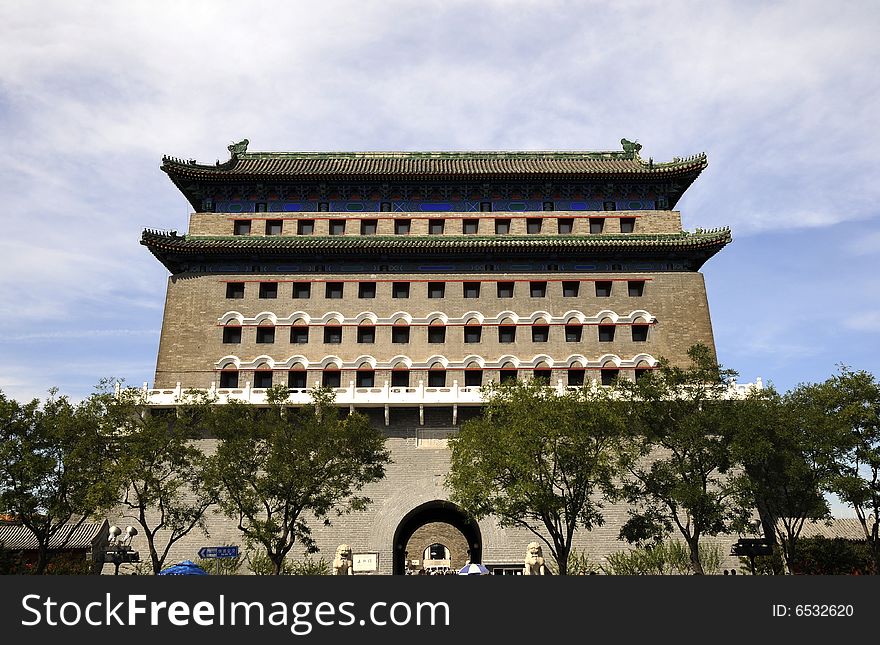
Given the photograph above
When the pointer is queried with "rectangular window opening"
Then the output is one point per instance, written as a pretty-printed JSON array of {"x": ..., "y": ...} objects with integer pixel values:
[
  {"x": 540, "y": 333},
  {"x": 505, "y": 289},
  {"x": 507, "y": 334},
  {"x": 333, "y": 335},
  {"x": 640, "y": 333},
  {"x": 636, "y": 288},
  {"x": 235, "y": 290},
  {"x": 400, "y": 290},
  {"x": 268, "y": 290},
  {"x": 436, "y": 289},
  {"x": 296, "y": 379},
  {"x": 366, "y": 290},
  {"x": 229, "y": 379},
  {"x": 241, "y": 227},
  {"x": 274, "y": 226},
  {"x": 565, "y": 225},
  {"x": 333, "y": 290},
  {"x": 538, "y": 289},
  {"x": 471, "y": 290},
  {"x": 603, "y": 288},
  {"x": 265, "y": 335}
]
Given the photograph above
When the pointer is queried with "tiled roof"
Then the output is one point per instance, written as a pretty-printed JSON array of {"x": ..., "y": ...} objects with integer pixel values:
[
  {"x": 374, "y": 165},
  {"x": 160, "y": 241},
  {"x": 16, "y": 537},
  {"x": 847, "y": 528},
  {"x": 171, "y": 248}
]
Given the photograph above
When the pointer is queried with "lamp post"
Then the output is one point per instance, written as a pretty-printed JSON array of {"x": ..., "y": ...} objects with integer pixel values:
[
  {"x": 119, "y": 547},
  {"x": 752, "y": 547}
]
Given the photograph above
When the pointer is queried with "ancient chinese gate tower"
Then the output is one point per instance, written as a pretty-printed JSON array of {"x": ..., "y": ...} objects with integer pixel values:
[{"x": 407, "y": 280}]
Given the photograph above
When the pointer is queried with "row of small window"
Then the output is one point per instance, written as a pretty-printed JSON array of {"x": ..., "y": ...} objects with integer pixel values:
[
  {"x": 385, "y": 207},
  {"x": 366, "y": 334},
  {"x": 436, "y": 226},
  {"x": 367, "y": 290},
  {"x": 296, "y": 379}
]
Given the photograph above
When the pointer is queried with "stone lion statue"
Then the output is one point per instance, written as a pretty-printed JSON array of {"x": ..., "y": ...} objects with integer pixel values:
[
  {"x": 342, "y": 564},
  {"x": 534, "y": 563}
]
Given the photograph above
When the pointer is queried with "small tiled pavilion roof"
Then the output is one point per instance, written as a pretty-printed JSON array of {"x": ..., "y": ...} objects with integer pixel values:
[
  {"x": 16, "y": 537},
  {"x": 848, "y": 528},
  {"x": 169, "y": 248}
]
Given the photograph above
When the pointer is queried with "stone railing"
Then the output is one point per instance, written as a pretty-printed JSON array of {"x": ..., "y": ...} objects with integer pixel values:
[{"x": 384, "y": 395}]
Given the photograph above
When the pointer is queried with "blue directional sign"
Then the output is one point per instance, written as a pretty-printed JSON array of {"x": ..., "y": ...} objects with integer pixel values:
[{"x": 218, "y": 552}]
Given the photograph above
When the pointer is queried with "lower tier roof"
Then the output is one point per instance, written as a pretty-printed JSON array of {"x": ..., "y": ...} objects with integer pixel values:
[{"x": 173, "y": 250}]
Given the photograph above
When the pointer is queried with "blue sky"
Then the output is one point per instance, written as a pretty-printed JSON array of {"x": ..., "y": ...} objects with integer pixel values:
[{"x": 782, "y": 96}]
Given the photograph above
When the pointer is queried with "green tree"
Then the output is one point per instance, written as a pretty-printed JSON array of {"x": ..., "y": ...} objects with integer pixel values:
[
  {"x": 681, "y": 481},
  {"x": 54, "y": 467},
  {"x": 540, "y": 460},
  {"x": 781, "y": 444},
  {"x": 274, "y": 465},
  {"x": 160, "y": 470},
  {"x": 850, "y": 403}
]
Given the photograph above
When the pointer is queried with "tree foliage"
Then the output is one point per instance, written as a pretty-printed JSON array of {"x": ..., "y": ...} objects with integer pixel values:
[
  {"x": 159, "y": 469},
  {"x": 681, "y": 482},
  {"x": 849, "y": 402},
  {"x": 782, "y": 445},
  {"x": 54, "y": 469},
  {"x": 540, "y": 460},
  {"x": 275, "y": 466}
]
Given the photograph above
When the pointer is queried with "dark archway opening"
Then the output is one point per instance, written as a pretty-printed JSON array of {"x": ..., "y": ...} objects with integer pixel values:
[{"x": 436, "y": 511}]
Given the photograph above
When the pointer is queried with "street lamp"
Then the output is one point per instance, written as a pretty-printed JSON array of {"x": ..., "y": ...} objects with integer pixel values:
[
  {"x": 752, "y": 547},
  {"x": 119, "y": 548}
]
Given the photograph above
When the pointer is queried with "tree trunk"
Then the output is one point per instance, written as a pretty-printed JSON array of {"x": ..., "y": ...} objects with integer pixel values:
[
  {"x": 562, "y": 560},
  {"x": 694, "y": 548}
]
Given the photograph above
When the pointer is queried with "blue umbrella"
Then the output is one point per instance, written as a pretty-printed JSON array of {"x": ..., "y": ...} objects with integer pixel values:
[
  {"x": 473, "y": 569},
  {"x": 185, "y": 568}
]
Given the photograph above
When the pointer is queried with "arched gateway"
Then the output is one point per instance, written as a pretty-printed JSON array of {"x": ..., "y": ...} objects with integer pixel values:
[{"x": 436, "y": 522}]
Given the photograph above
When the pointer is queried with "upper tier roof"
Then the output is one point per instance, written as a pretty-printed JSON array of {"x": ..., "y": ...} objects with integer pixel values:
[{"x": 244, "y": 165}]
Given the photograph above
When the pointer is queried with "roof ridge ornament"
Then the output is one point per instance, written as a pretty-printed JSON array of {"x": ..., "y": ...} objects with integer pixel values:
[
  {"x": 236, "y": 149},
  {"x": 631, "y": 148}
]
